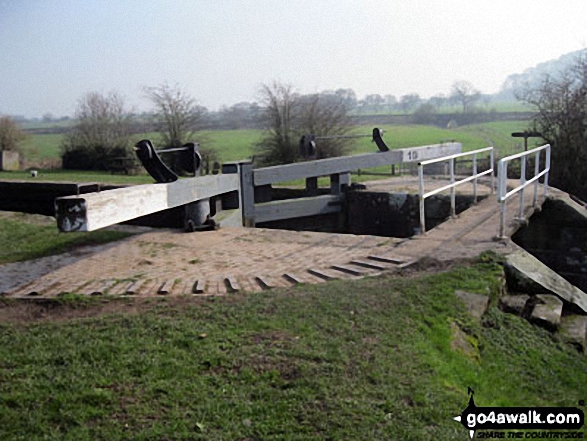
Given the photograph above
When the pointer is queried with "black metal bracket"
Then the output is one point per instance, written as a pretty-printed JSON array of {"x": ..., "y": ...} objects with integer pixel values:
[
  {"x": 189, "y": 159},
  {"x": 378, "y": 139},
  {"x": 308, "y": 148}
]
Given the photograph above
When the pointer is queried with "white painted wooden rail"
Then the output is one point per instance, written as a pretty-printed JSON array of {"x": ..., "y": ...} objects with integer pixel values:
[
  {"x": 92, "y": 211},
  {"x": 347, "y": 164}
]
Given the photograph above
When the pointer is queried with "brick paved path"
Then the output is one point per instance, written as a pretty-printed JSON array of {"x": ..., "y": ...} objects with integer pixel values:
[{"x": 239, "y": 259}]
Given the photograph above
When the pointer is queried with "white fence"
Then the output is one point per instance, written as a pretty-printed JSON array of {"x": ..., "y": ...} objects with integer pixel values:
[
  {"x": 453, "y": 182},
  {"x": 503, "y": 194}
]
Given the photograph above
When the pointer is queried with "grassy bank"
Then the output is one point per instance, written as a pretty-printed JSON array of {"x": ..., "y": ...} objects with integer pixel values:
[
  {"x": 26, "y": 237},
  {"x": 369, "y": 359}
]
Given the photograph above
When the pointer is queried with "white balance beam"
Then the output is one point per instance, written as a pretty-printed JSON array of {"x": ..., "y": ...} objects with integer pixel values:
[
  {"x": 345, "y": 164},
  {"x": 92, "y": 211}
]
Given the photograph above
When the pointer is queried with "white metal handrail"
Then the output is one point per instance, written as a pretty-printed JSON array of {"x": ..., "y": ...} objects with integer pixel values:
[
  {"x": 502, "y": 171},
  {"x": 453, "y": 183}
]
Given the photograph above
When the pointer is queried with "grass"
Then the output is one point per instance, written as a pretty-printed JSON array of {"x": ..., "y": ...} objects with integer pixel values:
[
  {"x": 367, "y": 359},
  {"x": 40, "y": 147},
  {"x": 23, "y": 239},
  {"x": 472, "y": 137},
  {"x": 59, "y": 175},
  {"x": 233, "y": 145}
]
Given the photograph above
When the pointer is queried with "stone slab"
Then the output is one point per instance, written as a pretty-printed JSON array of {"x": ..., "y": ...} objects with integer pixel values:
[
  {"x": 573, "y": 330},
  {"x": 514, "y": 304},
  {"x": 476, "y": 304},
  {"x": 527, "y": 274},
  {"x": 547, "y": 311}
]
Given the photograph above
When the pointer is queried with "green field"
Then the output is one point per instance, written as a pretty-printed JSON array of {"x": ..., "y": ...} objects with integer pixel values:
[
  {"x": 39, "y": 147},
  {"x": 369, "y": 359},
  {"x": 472, "y": 137},
  {"x": 230, "y": 145},
  {"x": 59, "y": 175},
  {"x": 233, "y": 145}
]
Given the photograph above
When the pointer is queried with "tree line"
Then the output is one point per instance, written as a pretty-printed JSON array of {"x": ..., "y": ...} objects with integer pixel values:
[{"x": 104, "y": 126}]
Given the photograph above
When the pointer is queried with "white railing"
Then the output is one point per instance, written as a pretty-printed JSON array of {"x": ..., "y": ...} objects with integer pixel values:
[
  {"x": 453, "y": 182},
  {"x": 502, "y": 170}
]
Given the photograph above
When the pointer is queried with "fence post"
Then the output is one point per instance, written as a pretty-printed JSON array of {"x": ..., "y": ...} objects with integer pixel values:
[
  {"x": 453, "y": 203},
  {"x": 247, "y": 194},
  {"x": 536, "y": 171},
  {"x": 312, "y": 186},
  {"x": 421, "y": 198},
  {"x": 548, "y": 168},
  {"x": 475, "y": 180},
  {"x": 337, "y": 180},
  {"x": 501, "y": 187},
  {"x": 244, "y": 198},
  {"x": 492, "y": 165},
  {"x": 522, "y": 182}
]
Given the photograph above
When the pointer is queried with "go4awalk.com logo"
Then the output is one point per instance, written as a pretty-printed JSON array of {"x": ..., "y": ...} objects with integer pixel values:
[{"x": 547, "y": 420}]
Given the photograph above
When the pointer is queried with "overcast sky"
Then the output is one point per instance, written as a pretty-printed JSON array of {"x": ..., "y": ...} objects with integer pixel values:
[{"x": 220, "y": 51}]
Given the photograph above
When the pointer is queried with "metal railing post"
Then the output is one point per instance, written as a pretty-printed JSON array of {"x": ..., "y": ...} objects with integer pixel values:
[
  {"x": 475, "y": 180},
  {"x": 522, "y": 182},
  {"x": 536, "y": 171},
  {"x": 501, "y": 187},
  {"x": 547, "y": 168},
  {"x": 421, "y": 198},
  {"x": 452, "y": 189},
  {"x": 492, "y": 159},
  {"x": 502, "y": 191},
  {"x": 453, "y": 182}
]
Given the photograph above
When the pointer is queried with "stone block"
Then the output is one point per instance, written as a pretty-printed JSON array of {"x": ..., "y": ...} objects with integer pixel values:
[
  {"x": 547, "y": 311},
  {"x": 9, "y": 160},
  {"x": 476, "y": 304},
  {"x": 514, "y": 304},
  {"x": 573, "y": 330}
]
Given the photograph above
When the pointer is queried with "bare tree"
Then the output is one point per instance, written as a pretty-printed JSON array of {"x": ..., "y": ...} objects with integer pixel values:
[
  {"x": 177, "y": 116},
  {"x": 561, "y": 106},
  {"x": 279, "y": 144},
  {"x": 463, "y": 93},
  {"x": 10, "y": 134},
  {"x": 326, "y": 114},
  {"x": 102, "y": 131},
  {"x": 287, "y": 116}
]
